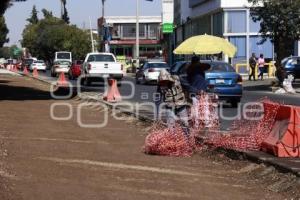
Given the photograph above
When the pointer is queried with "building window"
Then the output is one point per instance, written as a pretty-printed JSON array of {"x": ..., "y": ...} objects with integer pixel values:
[
  {"x": 236, "y": 22},
  {"x": 254, "y": 26},
  {"x": 202, "y": 25},
  {"x": 240, "y": 43},
  {"x": 116, "y": 31},
  {"x": 179, "y": 37},
  {"x": 129, "y": 31},
  {"x": 153, "y": 31},
  {"x": 255, "y": 47},
  {"x": 218, "y": 24}
]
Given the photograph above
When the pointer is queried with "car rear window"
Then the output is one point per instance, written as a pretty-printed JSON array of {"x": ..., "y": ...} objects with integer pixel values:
[
  {"x": 158, "y": 65},
  {"x": 38, "y": 61},
  {"x": 101, "y": 58},
  {"x": 221, "y": 67}
]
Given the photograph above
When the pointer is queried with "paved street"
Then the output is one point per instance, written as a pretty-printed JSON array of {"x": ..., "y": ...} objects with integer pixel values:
[
  {"x": 253, "y": 92},
  {"x": 49, "y": 159}
]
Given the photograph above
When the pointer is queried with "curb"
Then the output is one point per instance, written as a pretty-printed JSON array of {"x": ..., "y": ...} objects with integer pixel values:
[{"x": 252, "y": 156}]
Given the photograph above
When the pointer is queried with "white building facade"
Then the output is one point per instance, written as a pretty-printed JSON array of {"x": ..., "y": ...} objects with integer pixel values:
[{"x": 224, "y": 18}]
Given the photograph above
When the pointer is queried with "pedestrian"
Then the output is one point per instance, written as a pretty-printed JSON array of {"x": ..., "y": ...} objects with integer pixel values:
[
  {"x": 197, "y": 85},
  {"x": 261, "y": 66},
  {"x": 252, "y": 63},
  {"x": 173, "y": 99}
]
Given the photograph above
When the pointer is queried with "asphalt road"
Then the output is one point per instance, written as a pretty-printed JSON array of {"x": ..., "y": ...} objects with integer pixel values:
[{"x": 253, "y": 92}]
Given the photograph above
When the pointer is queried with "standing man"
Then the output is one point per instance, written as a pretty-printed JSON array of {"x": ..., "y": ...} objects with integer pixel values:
[{"x": 252, "y": 63}]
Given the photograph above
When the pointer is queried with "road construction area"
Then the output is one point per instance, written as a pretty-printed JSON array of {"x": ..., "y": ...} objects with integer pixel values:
[{"x": 47, "y": 154}]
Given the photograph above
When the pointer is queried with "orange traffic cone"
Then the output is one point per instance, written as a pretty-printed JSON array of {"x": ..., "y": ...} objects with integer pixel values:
[
  {"x": 113, "y": 94},
  {"x": 62, "y": 80},
  {"x": 25, "y": 71},
  {"x": 15, "y": 68},
  {"x": 35, "y": 73}
]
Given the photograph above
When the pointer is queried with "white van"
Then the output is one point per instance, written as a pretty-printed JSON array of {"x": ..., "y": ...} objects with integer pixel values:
[{"x": 63, "y": 56}]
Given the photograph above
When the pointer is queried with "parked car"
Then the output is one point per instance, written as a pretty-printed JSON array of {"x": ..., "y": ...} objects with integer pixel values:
[
  {"x": 39, "y": 65},
  {"x": 99, "y": 66},
  {"x": 221, "y": 77},
  {"x": 149, "y": 72},
  {"x": 75, "y": 69},
  {"x": 59, "y": 67},
  {"x": 291, "y": 66}
]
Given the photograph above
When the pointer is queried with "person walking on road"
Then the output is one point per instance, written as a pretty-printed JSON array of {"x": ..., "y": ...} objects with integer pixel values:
[
  {"x": 172, "y": 97},
  {"x": 261, "y": 66},
  {"x": 252, "y": 63}
]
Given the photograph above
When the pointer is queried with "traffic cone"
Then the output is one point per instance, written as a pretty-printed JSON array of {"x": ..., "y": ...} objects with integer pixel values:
[
  {"x": 25, "y": 71},
  {"x": 113, "y": 94},
  {"x": 15, "y": 68},
  {"x": 62, "y": 80},
  {"x": 35, "y": 73}
]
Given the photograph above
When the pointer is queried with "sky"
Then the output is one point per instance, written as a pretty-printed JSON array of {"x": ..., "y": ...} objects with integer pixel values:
[{"x": 79, "y": 12}]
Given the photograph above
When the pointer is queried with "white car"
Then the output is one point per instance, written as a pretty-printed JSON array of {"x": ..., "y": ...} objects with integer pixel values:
[
  {"x": 101, "y": 66},
  {"x": 60, "y": 67},
  {"x": 39, "y": 65},
  {"x": 149, "y": 72}
]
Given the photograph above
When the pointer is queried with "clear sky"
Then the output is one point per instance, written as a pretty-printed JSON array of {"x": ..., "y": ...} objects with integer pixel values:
[{"x": 79, "y": 12}]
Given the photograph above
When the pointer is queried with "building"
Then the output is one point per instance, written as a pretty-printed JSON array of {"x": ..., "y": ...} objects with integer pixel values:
[
  {"x": 123, "y": 35},
  {"x": 224, "y": 18}
]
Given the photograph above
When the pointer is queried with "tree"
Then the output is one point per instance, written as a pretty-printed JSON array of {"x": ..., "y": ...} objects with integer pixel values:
[
  {"x": 34, "y": 17},
  {"x": 52, "y": 34},
  {"x": 65, "y": 15},
  {"x": 279, "y": 22},
  {"x": 3, "y": 31},
  {"x": 4, "y": 4},
  {"x": 47, "y": 13}
]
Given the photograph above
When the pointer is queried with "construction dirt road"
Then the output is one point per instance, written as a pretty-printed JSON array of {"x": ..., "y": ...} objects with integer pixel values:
[{"x": 43, "y": 159}]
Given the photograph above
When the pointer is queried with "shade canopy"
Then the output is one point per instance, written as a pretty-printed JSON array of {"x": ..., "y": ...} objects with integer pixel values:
[{"x": 205, "y": 45}]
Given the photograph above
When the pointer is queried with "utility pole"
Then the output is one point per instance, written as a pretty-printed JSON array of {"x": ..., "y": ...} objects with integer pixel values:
[
  {"x": 103, "y": 2},
  {"x": 92, "y": 38},
  {"x": 137, "y": 34}
]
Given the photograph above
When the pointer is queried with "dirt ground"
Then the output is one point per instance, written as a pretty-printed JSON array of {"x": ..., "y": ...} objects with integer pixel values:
[{"x": 42, "y": 158}]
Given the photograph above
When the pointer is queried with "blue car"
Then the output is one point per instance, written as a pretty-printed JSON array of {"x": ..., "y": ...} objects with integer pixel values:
[
  {"x": 291, "y": 66},
  {"x": 221, "y": 77}
]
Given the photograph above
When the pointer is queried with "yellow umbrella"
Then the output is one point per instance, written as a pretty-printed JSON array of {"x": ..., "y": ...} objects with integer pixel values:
[{"x": 205, "y": 45}]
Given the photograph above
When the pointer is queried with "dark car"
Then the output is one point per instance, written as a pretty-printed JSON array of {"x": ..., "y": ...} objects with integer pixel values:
[
  {"x": 221, "y": 77},
  {"x": 291, "y": 66},
  {"x": 75, "y": 69}
]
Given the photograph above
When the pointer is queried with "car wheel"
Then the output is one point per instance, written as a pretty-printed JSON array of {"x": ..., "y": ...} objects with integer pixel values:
[
  {"x": 71, "y": 77},
  {"x": 87, "y": 82},
  {"x": 119, "y": 83},
  {"x": 144, "y": 80},
  {"x": 53, "y": 74},
  {"x": 235, "y": 102},
  {"x": 137, "y": 81}
]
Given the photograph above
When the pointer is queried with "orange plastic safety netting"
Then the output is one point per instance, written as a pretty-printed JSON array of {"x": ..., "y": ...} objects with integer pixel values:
[{"x": 244, "y": 134}]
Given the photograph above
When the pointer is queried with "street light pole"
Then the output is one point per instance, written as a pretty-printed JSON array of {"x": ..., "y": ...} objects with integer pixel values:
[{"x": 137, "y": 34}]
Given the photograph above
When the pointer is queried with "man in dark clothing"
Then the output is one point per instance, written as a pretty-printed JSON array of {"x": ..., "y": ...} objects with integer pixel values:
[{"x": 252, "y": 63}]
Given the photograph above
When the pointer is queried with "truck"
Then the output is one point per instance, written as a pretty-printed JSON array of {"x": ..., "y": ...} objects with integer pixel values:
[
  {"x": 63, "y": 56},
  {"x": 62, "y": 63},
  {"x": 100, "y": 66}
]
